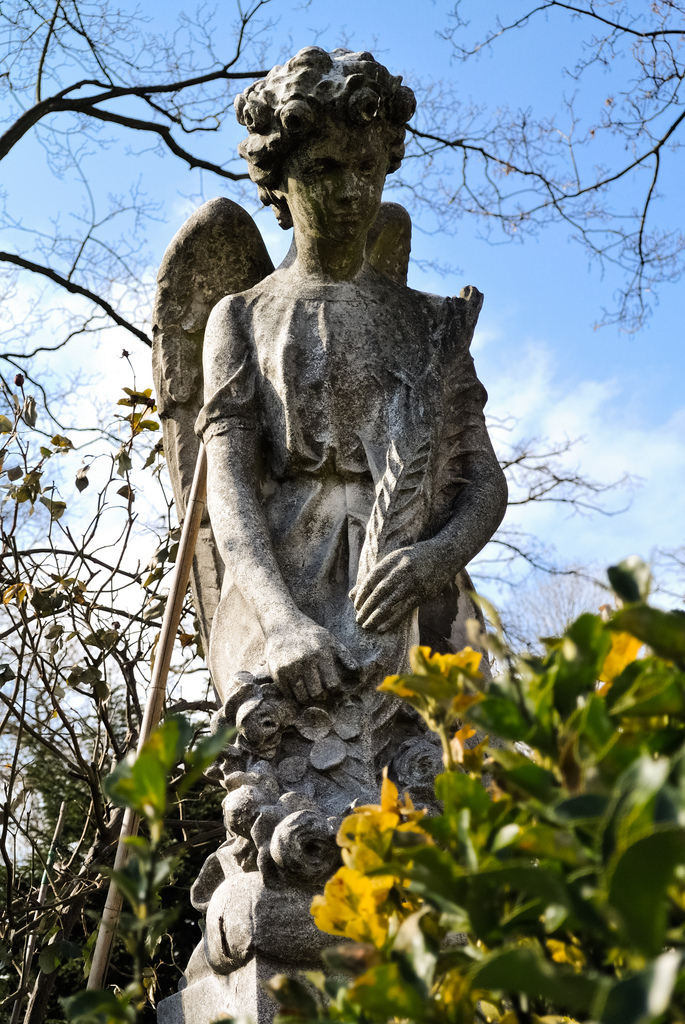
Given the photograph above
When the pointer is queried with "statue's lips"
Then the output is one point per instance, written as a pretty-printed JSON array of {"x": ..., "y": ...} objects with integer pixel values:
[{"x": 346, "y": 219}]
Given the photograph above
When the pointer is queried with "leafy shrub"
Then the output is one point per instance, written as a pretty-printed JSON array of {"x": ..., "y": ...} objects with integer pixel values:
[
  {"x": 141, "y": 783},
  {"x": 553, "y": 881}
]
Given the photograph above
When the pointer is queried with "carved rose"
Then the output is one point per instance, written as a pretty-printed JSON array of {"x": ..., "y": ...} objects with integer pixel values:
[
  {"x": 249, "y": 793},
  {"x": 415, "y": 766},
  {"x": 304, "y": 848},
  {"x": 260, "y": 722}
]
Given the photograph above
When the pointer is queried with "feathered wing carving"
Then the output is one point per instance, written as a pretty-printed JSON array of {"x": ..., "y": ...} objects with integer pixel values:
[{"x": 218, "y": 251}]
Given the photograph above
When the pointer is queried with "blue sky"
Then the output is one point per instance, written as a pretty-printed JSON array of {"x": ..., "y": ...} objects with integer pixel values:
[{"x": 536, "y": 349}]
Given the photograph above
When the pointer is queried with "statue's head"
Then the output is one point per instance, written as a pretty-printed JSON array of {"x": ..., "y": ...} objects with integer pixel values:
[{"x": 317, "y": 110}]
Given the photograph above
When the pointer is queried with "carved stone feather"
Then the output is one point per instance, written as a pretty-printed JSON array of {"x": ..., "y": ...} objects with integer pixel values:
[{"x": 400, "y": 507}]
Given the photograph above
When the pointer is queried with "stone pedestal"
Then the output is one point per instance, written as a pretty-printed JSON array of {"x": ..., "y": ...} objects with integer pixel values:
[{"x": 215, "y": 997}]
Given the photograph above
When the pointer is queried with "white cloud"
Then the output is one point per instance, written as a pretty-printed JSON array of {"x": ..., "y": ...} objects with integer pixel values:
[{"x": 618, "y": 437}]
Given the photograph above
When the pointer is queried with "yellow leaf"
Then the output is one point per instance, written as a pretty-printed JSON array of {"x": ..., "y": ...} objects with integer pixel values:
[
  {"x": 394, "y": 684},
  {"x": 624, "y": 649},
  {"x": 459, "y": 742},
  {"x": 17, "y": 592},
  {"x": 389, "y": 794},
  {"x": 562, "y": 953},
  {"x": 350, "y": 906},
  {"x": 467, "y": 659}
]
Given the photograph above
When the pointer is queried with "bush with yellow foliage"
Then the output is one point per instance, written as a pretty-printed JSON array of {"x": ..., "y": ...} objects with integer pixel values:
[{"x": 552, "y": 886}]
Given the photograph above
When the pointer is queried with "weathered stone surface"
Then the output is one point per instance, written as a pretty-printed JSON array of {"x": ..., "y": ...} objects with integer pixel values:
[
  {"x": 218, "y": 997},
  {"x": 348, "y": 722},
  {"x": 328, "y": 753},
  {"x": 351, "y": 479},
  {"x": 314, "y": 723}
]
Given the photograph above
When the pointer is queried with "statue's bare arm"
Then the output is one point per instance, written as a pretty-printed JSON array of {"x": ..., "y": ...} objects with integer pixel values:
[
  {"x": 303, "y": 657},
  {"x": 412, "y": 575}
]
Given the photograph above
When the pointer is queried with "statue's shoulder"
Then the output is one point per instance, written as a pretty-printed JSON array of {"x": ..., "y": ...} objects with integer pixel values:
[
  {"x": 442, "y": 320},
  {"x": 397, "y": 293}
]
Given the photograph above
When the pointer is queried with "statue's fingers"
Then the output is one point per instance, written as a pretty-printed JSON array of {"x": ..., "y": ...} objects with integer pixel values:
[
  {"x": 300, "y": 690},
  {"x": 345, "y": 657},
  {"x": 386, "y": 588},
  {"x": 380, "y": 614},
  {"x": 328, "y": 671},
  {"x": 293, "y": 678},
  {"x": 279, "y": 676},
  {"x": 313, "y": 683},
  {"x": 399, "y": 612},
  {"x": 367, "y": 586}
]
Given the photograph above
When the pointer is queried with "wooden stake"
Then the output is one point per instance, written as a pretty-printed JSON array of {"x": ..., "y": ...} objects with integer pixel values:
[{"x": 153, "y": 708}]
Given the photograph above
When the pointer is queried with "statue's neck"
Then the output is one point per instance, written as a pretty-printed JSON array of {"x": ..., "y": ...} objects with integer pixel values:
[{"x": 326, "y": 260}]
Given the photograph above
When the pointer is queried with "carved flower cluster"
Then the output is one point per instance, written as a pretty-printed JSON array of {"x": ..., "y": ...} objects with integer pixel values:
[
  {"x": 287, "y": 838},
  {"x": 281, "y": 110},
  {"x": 261, "y": 715}
]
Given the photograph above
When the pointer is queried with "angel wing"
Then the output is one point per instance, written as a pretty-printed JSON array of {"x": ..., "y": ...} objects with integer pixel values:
[{"x": 219, "y": 251}]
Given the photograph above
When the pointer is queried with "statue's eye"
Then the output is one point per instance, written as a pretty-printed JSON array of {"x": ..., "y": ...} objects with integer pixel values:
[{"x": 321, "y": 167}]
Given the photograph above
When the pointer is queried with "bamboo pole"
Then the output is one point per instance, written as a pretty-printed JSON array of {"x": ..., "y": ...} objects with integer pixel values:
[
  {"x": 42, "y": 893},
  {"x": 153, "y": 708}
]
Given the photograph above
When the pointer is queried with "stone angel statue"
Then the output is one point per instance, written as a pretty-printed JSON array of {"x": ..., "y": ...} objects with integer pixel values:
[{"x": 351, "y": 479}]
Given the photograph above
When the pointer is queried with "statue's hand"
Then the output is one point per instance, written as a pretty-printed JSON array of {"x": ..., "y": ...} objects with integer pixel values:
[
  {"x": 398, "y": 584},
  {"x": 305, "y": 659}
]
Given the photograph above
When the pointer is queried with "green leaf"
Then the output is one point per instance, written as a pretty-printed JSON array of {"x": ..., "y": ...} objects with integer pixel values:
[
  {"x": 6, "y": 426},
  {"x": 658, "y": 689},
  {"x": 544, "y": 842},
  {"x": 523, "y": 970},
  {"x": 48, "y": 960},
  {"x": 61, "y": 442},
  {"x": 579, "y": 808},
  {"x": 95, "y": 1007},
  {"x": 416, "y": 947},
  {"x": 631, "y": 579},
  {"x": 531, "y": 779},
  {"x": 579, "y": 656},
  {"x": 644, "y": 996},
  {"x": 500, "y": 717},
  {"x": 140, "y": 781},
  {"x": 638, "y": 885},
  {"x": 104, "y": 639},
  {"x": 458, "y": 790},
  {"x": 663, "y": 631},
  {"x": 55, "y": 508},
  {"x": 124, "y": 464},
  {"x": 383, "y": 993},
  {"x": 202, "y": 755}
]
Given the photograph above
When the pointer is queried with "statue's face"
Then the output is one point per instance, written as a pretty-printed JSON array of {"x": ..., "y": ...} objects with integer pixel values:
[{"x": 333, "y": 183}]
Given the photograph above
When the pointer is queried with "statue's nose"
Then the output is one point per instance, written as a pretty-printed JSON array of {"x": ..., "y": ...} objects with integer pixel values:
[{"x": 349, "y": 188}]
